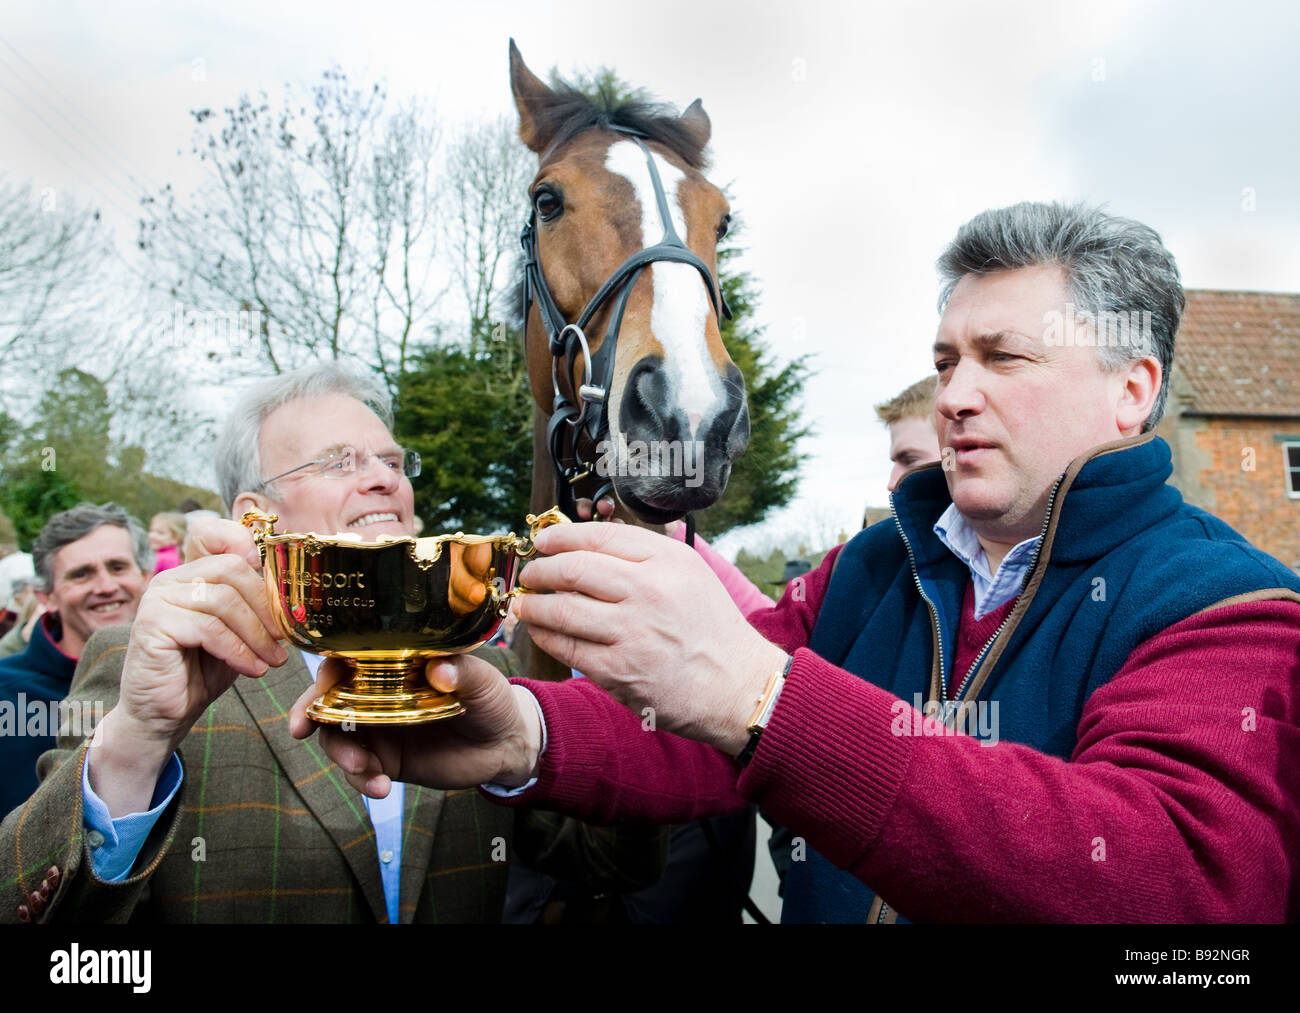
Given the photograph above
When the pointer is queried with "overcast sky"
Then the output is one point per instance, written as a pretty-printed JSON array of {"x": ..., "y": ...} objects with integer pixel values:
[{"x": 855, "y": 138}]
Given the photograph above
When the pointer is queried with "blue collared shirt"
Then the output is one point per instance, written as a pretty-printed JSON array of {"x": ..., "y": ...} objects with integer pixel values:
[
  {"x": 120, "y": 840},
  {"x": 992, "y": 591}
]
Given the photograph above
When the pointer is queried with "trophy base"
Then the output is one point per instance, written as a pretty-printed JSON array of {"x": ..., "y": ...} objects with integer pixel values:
[{"x": 384, "y": 693}]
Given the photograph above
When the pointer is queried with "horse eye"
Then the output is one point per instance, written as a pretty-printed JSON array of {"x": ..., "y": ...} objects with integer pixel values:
[
  {"x": 548, "y": 205},
  {"x": 723, "y": 227}
]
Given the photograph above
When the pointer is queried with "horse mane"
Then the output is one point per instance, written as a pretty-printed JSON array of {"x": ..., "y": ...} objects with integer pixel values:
[{"x": 571, "y": 111}]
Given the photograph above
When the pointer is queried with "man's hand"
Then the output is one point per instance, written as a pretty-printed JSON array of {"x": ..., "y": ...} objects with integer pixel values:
[
  {"x": 497, "y": 739},
  {"x": 644, "y": 617},
  {"x": 199, "y": 627}
]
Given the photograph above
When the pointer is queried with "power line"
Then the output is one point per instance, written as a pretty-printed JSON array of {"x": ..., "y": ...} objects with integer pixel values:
[
  {"x": 93, "y": 185},
  {"x": 124, "y": 163}
]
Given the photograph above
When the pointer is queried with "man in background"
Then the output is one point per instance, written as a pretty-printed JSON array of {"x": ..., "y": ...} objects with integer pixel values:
[
  {"x": 910, "y": 418},
  {"x": 91, "y": 564}
]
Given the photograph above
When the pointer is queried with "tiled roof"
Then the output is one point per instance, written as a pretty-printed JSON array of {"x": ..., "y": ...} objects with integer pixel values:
[{"x": 1238, "y": 353}]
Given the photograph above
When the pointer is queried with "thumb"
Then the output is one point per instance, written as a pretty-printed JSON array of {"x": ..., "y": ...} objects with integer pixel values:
[
  {"x": 466, "y": 676},
  {"x": 212, "y": 536}
]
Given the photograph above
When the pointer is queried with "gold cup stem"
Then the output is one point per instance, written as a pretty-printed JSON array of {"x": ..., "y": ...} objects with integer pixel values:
[{"x": 384, "y": 693}]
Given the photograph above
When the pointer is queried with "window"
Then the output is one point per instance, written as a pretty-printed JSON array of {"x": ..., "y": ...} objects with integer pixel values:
[{"x": 1291, "y": 465}]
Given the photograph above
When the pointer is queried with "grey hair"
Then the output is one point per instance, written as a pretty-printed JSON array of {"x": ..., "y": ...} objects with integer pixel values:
[
  {"x": 70, "y": 526},
  {"x": 238, "y": 453},
  {"x": 1112, "y": 265}
]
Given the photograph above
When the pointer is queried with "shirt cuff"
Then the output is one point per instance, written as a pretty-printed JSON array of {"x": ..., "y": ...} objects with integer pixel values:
[
  {"x": 500, "y": 791},
  {"x": 120, "y": 840}
]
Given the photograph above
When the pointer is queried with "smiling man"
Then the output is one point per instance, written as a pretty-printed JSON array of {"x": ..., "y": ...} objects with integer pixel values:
[
  {"x": 91, "y": 562},
  {"x": 1047, "y": 689},
  {"x": 194, "y": 803}
]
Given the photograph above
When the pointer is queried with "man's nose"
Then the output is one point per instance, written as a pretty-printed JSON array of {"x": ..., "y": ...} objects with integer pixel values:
[
  {"x": 103, "y": 583},
  {"x": 894, "y": 476},
  {"x": 960, "y": 394},
  {"x": 375, "y": 474}
]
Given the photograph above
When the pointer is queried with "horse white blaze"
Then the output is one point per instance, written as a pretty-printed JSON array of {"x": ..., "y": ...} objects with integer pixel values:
[{"x": 680, "y": 310}]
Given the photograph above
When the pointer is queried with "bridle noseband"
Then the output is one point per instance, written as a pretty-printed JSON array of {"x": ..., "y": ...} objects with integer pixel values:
[{"x": 572, "y": 420}]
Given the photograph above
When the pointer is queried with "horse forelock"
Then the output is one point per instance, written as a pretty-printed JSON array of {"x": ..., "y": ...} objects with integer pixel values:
[{"x": 570, "y": 112}]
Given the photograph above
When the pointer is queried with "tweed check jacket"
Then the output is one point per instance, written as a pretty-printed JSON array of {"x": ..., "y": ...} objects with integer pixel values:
[{"x": 264, "y": 828}]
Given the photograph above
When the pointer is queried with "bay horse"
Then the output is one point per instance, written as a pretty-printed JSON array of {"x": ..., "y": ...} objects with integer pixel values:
[{"x": 635, "y": 393}]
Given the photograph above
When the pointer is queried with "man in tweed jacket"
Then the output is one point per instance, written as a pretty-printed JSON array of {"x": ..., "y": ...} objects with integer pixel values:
[{"x": 193, "y": 804}]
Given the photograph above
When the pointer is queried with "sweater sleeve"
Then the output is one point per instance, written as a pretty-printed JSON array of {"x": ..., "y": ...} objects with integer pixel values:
[
  {"x": 1181, "y": 801},
  {"x": 604, "y": 764}
]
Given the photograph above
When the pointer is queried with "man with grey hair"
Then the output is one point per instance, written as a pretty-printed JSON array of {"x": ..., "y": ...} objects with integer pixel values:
[
  {"x": 1046, "y": 689},
  {"x": 194, "y": 803},
  {"x": 92, "y": 563}
]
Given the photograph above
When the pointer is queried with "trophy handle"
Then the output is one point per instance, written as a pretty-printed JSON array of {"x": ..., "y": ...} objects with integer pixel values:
[
  {"x": 524, "y": 547},
  {"x": 260, "y": 534},
  {"x": 526, "y": 550}
]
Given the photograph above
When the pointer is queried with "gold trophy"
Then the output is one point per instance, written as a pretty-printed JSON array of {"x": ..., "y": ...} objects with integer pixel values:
[{"x": 386, "y": 607}]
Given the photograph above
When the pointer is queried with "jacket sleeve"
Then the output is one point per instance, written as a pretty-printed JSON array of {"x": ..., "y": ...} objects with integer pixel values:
[
  {"x": 1181, "y": 801},
  {"x": 45, "y": 839}
]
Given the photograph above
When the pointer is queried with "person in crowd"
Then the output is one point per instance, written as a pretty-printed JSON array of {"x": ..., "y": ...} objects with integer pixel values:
[
  {"x": 27, "y": 610},
  {"x": 91, "y": 563},
  {"x": 913, "y": 442},
  {"x": 1050, "y": 691},
  {"x": 14, "y": 566},
  {"x": 166, "y": 536}
]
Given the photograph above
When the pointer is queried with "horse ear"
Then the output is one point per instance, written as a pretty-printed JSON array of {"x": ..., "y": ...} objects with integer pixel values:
[
  {"x": 696, "y": 120},
  {"x": 532, "y": 97}
]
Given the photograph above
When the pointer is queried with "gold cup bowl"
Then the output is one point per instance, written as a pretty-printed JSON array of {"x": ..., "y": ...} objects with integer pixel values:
[{"x": 386, "y": 607}]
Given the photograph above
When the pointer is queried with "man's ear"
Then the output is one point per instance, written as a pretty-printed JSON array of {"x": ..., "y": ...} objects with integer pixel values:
[
  {"x": 43, "y": 597},
  {"x": 246, "y": 501},
  {"x": 1141, "y": 387}
]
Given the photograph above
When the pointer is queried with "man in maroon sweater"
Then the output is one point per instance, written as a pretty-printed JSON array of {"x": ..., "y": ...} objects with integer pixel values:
[{"x": 1177, "y": 796}]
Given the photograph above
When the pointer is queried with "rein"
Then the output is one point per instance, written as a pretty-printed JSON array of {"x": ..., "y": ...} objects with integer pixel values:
[{"x": 582, "y": 418}]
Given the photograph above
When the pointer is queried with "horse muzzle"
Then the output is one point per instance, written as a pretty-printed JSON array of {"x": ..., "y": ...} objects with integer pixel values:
[{"x": 665, "y": 463}]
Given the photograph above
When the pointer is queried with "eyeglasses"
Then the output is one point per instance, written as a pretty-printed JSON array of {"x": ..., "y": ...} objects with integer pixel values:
[{"x": 344, "y": 461}]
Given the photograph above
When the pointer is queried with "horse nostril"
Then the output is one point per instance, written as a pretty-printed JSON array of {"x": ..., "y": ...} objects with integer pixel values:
[{"x": 651, "y": 397}]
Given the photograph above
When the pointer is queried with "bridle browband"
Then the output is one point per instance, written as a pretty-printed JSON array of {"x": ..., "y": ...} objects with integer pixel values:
[{"x": 572, "y": 420}]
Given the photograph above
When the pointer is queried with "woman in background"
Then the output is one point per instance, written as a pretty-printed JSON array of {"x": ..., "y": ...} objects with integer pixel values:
[{"x": 166, "y": 534}]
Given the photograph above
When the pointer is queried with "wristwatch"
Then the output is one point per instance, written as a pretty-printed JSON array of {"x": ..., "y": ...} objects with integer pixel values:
[{"x": 763, "y": 712}]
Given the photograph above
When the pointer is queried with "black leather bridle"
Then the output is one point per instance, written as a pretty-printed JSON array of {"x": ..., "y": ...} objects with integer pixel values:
[{"x": 583, "y": 416}]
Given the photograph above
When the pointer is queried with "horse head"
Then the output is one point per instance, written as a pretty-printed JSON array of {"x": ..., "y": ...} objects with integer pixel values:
[{"x": 621, "y": 248}]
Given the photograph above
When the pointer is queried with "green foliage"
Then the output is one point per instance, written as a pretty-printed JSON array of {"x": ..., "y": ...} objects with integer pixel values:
[
  {"x": 766, "y": 477},
  {"x": 602, "y": 84},
  {"x": 68, "y": 456},
  {"x": 30, "y": 496},
  {"x": 764, "y": 572},
  {"x": 468, "y": 412},
  {"x": 768, "y": 572}
]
